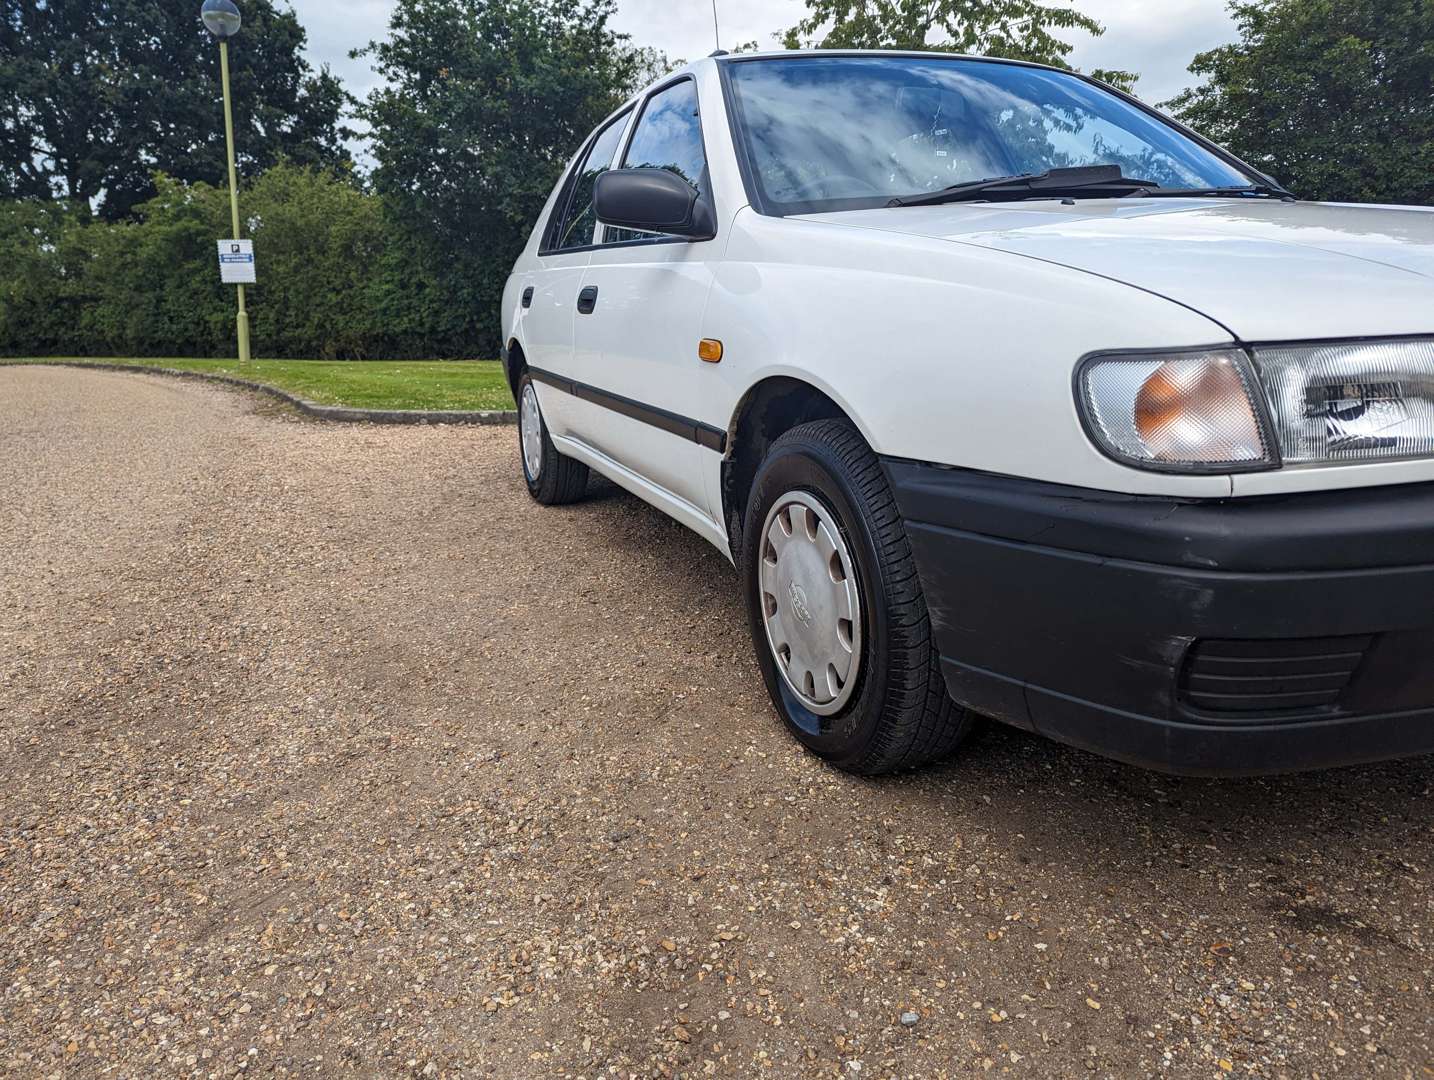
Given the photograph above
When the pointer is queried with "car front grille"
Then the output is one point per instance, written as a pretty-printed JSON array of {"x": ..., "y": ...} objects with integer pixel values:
[{"x": 1249, "y": 679}]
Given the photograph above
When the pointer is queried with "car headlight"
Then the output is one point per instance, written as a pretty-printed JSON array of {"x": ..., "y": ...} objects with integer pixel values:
[
  {"x": 1351, "y": 402},
  {"x": 1221, "y": 410},
  {"x": 1181, "y": 412}
]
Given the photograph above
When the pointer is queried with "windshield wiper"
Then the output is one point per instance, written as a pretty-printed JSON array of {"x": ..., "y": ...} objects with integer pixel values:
[
  {"x": 1088, "y": 181},
  {"x": 1272, "y": 191}
]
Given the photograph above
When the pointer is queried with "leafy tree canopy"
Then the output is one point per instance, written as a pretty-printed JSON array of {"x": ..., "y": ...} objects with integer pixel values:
[
  {"x": 1333, "y": 97},
  {"x": 483, "y": 105},
  {"x": 1011, "y": 29},
  {"x": 97, "y": 96}
]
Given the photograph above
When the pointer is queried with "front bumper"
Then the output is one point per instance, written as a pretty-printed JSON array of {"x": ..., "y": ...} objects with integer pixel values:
[{"x": 1204, "y": 637}]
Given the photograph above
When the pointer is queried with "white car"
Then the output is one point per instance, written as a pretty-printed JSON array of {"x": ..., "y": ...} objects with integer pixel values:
[{"x": 1008, "y": 396}]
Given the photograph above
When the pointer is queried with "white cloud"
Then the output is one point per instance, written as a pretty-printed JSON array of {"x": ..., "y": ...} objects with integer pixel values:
[
  {"x": 684, "y": 27},
  {"x": 336, "y": 28},
  {"x": 1158, "y": 40}
]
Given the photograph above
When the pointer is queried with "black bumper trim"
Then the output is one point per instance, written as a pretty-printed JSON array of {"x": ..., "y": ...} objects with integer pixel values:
[
  {"x": 1359, "y": 527},
  {"x": 1088, "y": 644},
  {"x": 1191, "y": 749}
]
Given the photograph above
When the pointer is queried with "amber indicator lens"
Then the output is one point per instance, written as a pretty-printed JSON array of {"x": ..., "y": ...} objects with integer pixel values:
[
  {"x": 710, "y": 349},
  {"x": 1197, "y": 412}
]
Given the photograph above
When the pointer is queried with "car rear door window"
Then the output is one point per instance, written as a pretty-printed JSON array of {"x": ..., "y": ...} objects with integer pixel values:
[
  {"x": 577, "y": 226},
  {"x": 668, "y": 136}
]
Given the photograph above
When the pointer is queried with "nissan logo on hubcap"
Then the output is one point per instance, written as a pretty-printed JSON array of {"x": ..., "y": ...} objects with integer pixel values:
[{"x": 799, "y": 605}]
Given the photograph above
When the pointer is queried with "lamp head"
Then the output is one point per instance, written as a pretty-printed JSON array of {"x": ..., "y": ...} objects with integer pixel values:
[{"x": 221, "y": 18}]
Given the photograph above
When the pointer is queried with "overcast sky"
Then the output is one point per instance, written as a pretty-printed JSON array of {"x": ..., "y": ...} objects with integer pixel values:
[{"x": 1157, "y": 39}]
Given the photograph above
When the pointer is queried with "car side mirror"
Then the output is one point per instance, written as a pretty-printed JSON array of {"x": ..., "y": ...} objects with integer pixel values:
[{"x": 652, "y": 200}]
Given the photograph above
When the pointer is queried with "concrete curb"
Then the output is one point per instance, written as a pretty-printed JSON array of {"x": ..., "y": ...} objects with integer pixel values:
[{"x": 336, "y": 413}]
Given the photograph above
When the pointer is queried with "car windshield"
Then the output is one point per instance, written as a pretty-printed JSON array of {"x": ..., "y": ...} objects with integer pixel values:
[{"x": 839, "y": 132}]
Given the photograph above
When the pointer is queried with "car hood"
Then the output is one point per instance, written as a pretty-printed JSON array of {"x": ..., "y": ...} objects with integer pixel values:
[{"x": 1266, "y": 270}]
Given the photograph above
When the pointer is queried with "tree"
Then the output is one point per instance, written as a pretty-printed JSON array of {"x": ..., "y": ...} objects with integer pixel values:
[
  {"x": 100, "y": 95},
  {"x": 1011, "y": 29},
  {"x": 649, "y": 65},
  {"x": 38, "y": 269},
  {"x": 483, "y": 105},
  {"x": 1333, "y": 97}
]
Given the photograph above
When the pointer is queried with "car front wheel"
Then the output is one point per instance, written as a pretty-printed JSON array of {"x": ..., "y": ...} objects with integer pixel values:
[
  {"x": 838, "y": 620},
  {"x": 552, "y": 478}
]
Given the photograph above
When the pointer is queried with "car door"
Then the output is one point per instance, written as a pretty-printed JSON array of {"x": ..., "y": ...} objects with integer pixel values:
[
  {"x": 637, "y": 331},
  {"x": 563, "y": 256}
]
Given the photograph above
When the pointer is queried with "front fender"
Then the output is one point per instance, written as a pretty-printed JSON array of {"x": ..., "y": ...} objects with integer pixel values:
[{"x": 937, "y": 351}]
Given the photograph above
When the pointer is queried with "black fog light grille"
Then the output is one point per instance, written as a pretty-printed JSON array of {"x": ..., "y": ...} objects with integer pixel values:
[{"x": 1249, "y": 678}]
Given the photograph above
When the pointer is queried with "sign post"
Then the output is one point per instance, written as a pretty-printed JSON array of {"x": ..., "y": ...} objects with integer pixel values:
[
  {"x": 243, "y": 319},
  {"x": 221, "y": 18}
]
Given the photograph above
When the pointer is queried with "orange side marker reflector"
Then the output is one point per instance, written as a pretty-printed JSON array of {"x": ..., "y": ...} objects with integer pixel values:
[{"x": 710, "y": 350}]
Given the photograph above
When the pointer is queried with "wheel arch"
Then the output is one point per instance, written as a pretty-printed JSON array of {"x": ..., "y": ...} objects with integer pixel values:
[
  {"x": 514, "y": 361},
  {"x": 769, "y": 409}
]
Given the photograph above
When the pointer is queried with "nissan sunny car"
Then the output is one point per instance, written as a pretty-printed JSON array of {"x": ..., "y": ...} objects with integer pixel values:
[{"x": 1007, "y": 396}]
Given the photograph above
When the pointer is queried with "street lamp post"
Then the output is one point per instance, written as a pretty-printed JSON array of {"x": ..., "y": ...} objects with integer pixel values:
[{"x": 221, "y": 18}]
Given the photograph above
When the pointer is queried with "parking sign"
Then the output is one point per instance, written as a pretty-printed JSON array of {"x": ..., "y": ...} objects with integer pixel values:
[{"x": 236, "y": 262}]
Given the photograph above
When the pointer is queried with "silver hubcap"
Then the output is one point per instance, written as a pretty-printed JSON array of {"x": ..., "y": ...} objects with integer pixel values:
[
  {"x": 810, "y": 602},
  {"x": 531, "y": 424}
]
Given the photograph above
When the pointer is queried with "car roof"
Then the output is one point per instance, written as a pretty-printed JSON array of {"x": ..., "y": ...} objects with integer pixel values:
[
  {"x": 812, "y": 54},
  {"x": 926, "y": 54}
]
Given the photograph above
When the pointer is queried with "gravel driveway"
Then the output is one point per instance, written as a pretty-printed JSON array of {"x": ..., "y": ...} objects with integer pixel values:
[{"x": 327, "y": 752}]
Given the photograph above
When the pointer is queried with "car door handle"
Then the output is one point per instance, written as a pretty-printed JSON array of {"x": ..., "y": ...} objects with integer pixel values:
[
  {"x": 587, "y": 300},
  {"x": 528, "y": 297}
]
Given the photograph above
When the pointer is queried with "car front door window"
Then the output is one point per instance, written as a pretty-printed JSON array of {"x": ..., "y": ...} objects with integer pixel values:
[{"x": 668, "y": 136}]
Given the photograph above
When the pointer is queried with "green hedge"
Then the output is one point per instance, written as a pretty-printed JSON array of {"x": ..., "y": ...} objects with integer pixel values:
[{"x": 337, "y": 278}]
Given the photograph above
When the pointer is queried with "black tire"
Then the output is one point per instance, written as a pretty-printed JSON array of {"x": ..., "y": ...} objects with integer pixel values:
[
  {"x": 560, "y": 479},
  {"x": 899, "y": 714}
]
